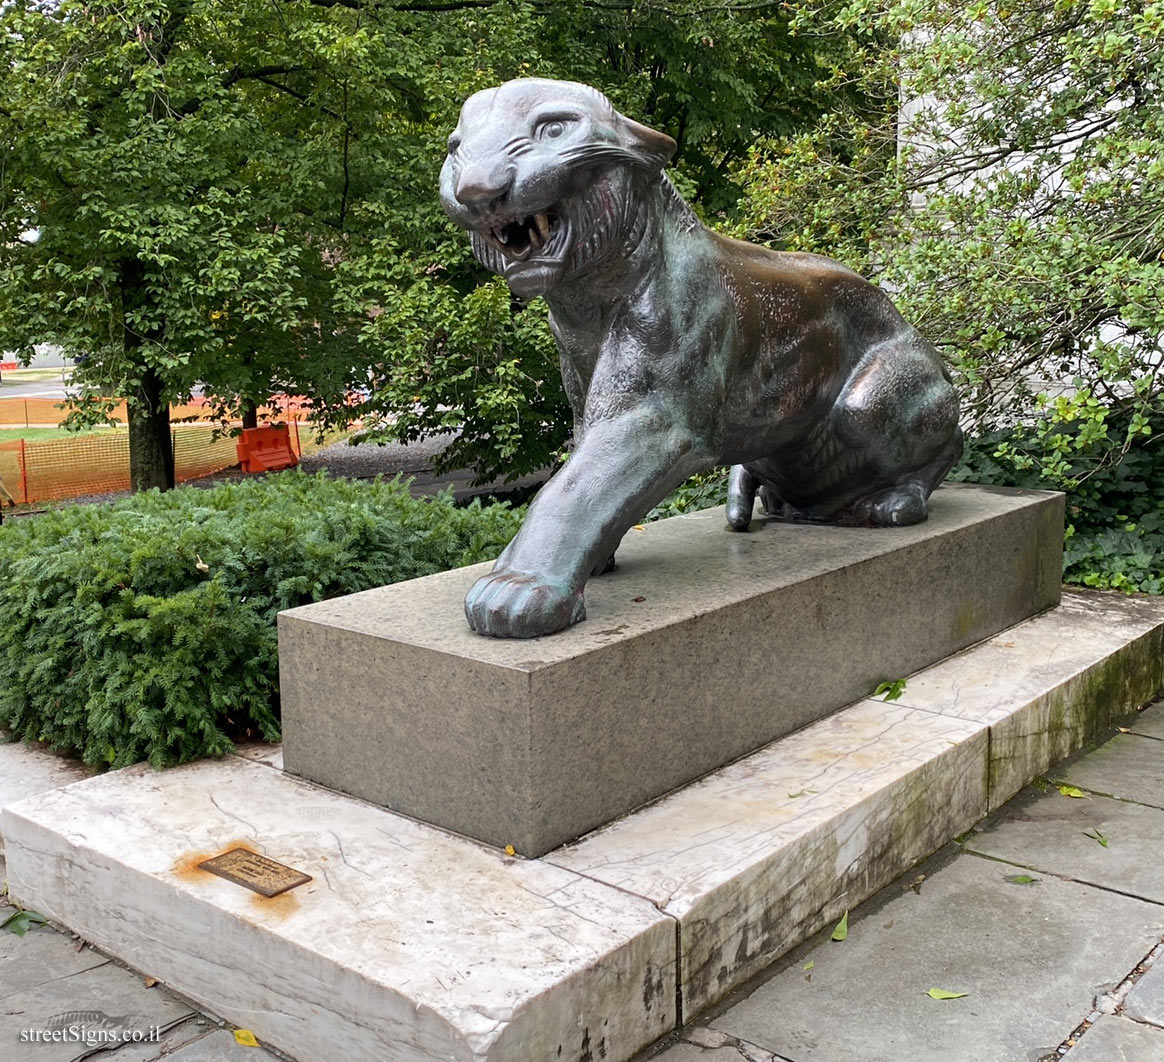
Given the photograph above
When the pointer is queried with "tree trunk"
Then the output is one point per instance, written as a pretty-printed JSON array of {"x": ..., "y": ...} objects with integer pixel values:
[
  {"x": 250, "y": 413},
  {"x": 151, "y": 446}
]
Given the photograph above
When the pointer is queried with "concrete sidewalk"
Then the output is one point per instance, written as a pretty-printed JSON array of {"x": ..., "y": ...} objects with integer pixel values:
[{"x": 1046, "y": 919}]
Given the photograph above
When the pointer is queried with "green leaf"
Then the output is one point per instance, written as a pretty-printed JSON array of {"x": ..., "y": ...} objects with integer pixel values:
[
  {"x": 892, "y": 690},
  {"x": 941, "y": 993},
  {"x": 810, "y": 965},
  {"x": 1022, "y": 879},
  {"x": 842, "y": 927},
  {"x": 19, "y": 922},
  {"x": 1071, "y": 791},
  {"x": 1096, "y": 836}
]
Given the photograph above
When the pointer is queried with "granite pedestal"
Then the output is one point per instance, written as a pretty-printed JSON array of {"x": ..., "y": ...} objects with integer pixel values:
[{"x": 701, "y": 647}]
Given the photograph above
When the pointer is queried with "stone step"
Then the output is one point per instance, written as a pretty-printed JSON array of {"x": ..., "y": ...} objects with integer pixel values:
[{"x": 411, "y": 944}]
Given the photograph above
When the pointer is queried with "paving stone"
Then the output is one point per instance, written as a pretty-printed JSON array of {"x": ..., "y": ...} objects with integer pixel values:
[
  {"x": 1129, "y": 766},
  {"x": 1049, "y": 832},
  {"x": 730, "y": 1050},
  {"x": 82, "y": 1010},
  {"x": 40, "y": 956},
  {"x": 1030, "y": 959},
  {"x": 1116, "y": 1039},
  {"x": 684, "y": 1052},
  {"x": 1150, "y": 722},
  {"x": 1145, "y": 1002},
  {"x": 173, "y": 1039},
  {"x": 703, "y": 1036},
  {"x": 219, "y": 1046}
]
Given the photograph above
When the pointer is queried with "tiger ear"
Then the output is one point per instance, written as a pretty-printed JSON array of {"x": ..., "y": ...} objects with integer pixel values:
[{"x": 650, "y": 148}]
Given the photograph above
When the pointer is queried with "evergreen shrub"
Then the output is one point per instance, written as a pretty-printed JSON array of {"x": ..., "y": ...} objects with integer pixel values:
[{"x": 146, "y": 629}]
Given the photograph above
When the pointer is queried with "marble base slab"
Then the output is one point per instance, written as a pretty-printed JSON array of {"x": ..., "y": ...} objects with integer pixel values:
[
  {"x": 408, "y": 944},
  {"x": 412, "y": 944},
  {"x": 701, "y": 647},
  {"x": 1048, "y": 685},
  {"x": 762, "y": 854}
]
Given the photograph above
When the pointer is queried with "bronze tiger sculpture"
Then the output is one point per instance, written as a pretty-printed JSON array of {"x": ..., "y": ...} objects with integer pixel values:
[{"x": 681, "y": 349}]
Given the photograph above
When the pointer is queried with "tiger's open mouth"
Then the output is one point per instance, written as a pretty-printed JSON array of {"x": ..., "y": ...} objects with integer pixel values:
[{"x": 519, "y": 238}]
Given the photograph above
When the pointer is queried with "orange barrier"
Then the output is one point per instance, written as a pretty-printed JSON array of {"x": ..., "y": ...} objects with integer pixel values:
[
  {"x": 98, "y": 462},
  {"x": 266, "y": 449}
]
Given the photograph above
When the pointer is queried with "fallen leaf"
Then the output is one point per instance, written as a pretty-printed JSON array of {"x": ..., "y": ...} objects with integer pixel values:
[
  {"x": 246, "y": 1038},
  {"x": 842, "y": 928},
  {"x": 638, "y": 600},
  {"x": 149, "y": 982},
  {"x": 1096, "y": 836},
  {"x": 201, "y": 565},
  {"x": 1124, "y": 729},
  {"x": 1022, "y": 879},
  {"x": 1071, "y": 791},
  {"x": 941, "y": 993},
  {"x": 510, "y": 850},
  {"x": 810, "y": 965},
  {"x": 639, "y": 527},
  {"x": 21, "y": 921}
]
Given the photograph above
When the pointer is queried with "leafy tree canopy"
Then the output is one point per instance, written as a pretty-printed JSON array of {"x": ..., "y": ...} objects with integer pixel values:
[
  {"x": 1008, "y": 191},
  {"x": 244, "y": 194}
]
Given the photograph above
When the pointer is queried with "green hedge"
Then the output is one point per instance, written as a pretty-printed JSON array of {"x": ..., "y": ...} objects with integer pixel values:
[
  {"x": 1115, "y": 501},
  {"x": 146, "y": 629}
]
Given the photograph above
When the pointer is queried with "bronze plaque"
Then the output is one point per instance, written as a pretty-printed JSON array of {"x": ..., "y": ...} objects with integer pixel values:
[{"x": 255, "y": 871}]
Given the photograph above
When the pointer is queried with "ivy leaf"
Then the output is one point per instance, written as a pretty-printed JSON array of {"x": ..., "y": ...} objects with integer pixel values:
[
  {"x": 20, "y": 922},
  {"x": 842, "y": 927}
]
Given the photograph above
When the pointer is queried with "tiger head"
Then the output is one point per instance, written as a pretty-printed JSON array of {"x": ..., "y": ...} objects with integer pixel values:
[{"x": 543, "y": 176}]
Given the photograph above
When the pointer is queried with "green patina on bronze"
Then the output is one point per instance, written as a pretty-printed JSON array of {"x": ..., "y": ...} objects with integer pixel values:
[{"x": 681, "y": 350}]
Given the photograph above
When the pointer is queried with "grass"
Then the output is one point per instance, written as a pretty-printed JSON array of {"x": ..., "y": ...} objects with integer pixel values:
[
  {"x": 11, "y": 434},
  {"x": 33, "y": 375}
]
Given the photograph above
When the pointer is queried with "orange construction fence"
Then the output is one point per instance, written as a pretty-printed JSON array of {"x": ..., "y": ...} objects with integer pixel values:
[
  {"x": 98, "y": 462},
  {"x": 49, "y": 412}
]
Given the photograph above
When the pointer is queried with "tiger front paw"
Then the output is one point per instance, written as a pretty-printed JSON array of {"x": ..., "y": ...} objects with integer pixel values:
[{"x": 508, "y": 604}]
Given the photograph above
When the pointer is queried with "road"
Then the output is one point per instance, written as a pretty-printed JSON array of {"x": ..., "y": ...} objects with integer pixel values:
[{"x": 34, "y": 383}]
